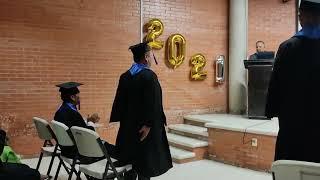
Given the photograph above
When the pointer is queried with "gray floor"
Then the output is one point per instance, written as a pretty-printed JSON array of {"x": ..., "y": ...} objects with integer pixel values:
[{"x": 199, "y": 170}]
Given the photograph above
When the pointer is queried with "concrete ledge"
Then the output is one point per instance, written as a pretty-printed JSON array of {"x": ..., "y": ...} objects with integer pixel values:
[
  {"x": 237, "y": 123},
  {"x": 270, "y": 128}
]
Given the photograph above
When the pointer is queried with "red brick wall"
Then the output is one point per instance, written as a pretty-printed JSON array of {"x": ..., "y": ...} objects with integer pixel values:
[
  {"x": 235, "y": 148},
  {"x": 204, "y": 24},
  {"x": 271, "y": 21},
  {"x": 46, "y": 42}
]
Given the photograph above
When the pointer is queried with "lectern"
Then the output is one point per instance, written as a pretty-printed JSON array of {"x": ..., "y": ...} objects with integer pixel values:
[{"x": 259, "y": 74}]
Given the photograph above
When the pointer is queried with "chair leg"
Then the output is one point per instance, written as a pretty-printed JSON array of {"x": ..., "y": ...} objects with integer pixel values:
[
  {"x": 78, "y": 176},
  {"x": 73, "y": 169},
  {"x": 54, "y": 154},
  {"x": 50, "y": 165},
  {"x": 58, "y": 170},
  {"x": 39, "y": 162},
  {"x": 70, "y": 175}
]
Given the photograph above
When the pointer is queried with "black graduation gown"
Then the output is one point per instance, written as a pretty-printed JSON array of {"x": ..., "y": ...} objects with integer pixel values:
[
  {"x": 294, "y": 97},
  {"x": 138, "y": 102},
  {"x": 70, "y": 118}
]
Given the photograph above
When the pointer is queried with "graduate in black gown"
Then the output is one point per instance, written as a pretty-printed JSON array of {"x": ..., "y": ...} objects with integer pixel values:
[
  {"x": 15, "y": 171},
  {"x": 141, "y": 139},
  {"x": 69, "y": 115},
  {"x": 294, "y": 90}
]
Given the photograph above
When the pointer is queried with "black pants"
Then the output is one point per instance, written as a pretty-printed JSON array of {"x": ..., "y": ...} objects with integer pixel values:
[
  {"x": 14, "y": 171},
  {"x": 132, "y": 175}
]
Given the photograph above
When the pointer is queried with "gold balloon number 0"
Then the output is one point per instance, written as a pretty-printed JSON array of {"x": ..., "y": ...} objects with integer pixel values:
[
  {"x": 176, "y": 49},
  {"x": 155, "y": 29}
]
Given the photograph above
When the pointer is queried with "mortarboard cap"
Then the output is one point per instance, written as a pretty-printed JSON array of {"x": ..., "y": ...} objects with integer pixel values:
[
  {"x": 139, "y": 50},
  {"x": 69, "y": 88},
  {"x": 312, "y": 5}
]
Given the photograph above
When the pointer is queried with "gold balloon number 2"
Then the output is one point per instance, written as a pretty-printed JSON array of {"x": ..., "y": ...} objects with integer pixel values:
[
  {"x": 176, "y": 49},
  {"x": 198, "y": 61},
  {"x": 155, "y": 29}
]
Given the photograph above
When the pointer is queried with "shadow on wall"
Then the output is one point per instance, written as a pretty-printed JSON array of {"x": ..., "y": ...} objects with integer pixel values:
[{"x": 243, "y": 98}]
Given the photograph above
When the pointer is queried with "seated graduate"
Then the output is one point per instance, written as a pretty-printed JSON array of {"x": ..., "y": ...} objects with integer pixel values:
[
  {"x": 69, "y": 115},
  {"x": 16, "y": 171}
]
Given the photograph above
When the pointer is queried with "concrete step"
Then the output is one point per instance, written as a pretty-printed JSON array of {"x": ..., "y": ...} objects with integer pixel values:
[
  {"x": 186, "y": 141},
  {"x": 189, "y": 131},
  {"x": 181, "y": 156},
  {"x": 194, "y": 121},
  {"x": 199, "y": 147}
]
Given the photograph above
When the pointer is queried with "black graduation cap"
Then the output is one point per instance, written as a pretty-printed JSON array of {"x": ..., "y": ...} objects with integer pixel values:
[
  {"x": 312, "y": 5},
  {"x": 139, "y": 51},
  {"x": 69, "y": 88}
]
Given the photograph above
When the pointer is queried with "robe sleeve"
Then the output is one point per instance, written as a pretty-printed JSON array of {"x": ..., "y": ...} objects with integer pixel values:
[
  {"x": 118, "y": 103},
  {"x": 274, "y": 90},
  {"x": 150, "y": 100}
]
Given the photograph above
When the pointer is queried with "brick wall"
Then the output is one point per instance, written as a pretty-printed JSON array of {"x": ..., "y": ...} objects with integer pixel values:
[
  {"x": 204, "y": 24},
  {"x": 235, "y": 148},
  {"x": 46, "y": 42},
  {"x": 271, "y": 21}
]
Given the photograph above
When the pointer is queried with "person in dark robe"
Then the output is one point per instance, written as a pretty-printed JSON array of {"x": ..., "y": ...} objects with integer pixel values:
[
  {"x": 69, "y": 115},
  {"x": 141, "y": 138},
  {"x": 294, "y": 89},
  {"x": 16, "y": 171}
]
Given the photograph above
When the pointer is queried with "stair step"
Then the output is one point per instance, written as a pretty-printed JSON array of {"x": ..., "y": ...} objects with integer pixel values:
[
  {"x": 191, "y": 120},
  {"x": 180, "y": 154},
  {"x": 186, "y": 141},
  {"x": 196, "y": 130}
]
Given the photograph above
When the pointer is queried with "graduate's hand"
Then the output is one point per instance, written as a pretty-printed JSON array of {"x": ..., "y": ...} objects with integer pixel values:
[
  {"x": 93, "y": 118},
  {"x": 144, "y": 131}
]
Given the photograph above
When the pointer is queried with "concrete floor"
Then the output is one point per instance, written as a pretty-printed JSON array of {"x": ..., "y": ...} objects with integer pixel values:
[{"x": 199, "y": 170}]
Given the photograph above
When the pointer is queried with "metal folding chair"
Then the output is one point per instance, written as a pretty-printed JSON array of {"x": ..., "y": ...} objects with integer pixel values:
[
  {"x": 295, "y": 170},
  {"x": 89, "y": 144},
  {"x": 64, "y": 138},
  {"x": 45, "y": 133}
]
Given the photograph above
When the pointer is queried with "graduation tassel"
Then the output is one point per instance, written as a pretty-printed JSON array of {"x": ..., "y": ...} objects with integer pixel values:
[{"x": 155, "y": 60}]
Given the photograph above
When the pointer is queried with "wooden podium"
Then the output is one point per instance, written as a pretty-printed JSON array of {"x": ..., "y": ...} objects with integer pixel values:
[{"x": 259, "y": 74}]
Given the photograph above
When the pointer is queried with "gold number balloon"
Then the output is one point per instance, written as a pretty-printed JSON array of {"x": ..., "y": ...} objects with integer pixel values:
[
  {"x": 176, "y": 50},
  {"x": 155, "y": 29},
  {"x": 198, "y": 61}
]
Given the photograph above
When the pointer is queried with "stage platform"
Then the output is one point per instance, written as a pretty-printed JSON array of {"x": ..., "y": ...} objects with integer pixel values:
[{"x": 232, "y": 139}]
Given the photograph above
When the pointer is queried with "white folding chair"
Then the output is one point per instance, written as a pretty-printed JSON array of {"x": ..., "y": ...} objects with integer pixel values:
[
  {"x": 46, "y": 134},
  {"x": 295, "y": 170},
  {"x": 64, "y": 138},
  {"x": 89, "y": 144}
]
